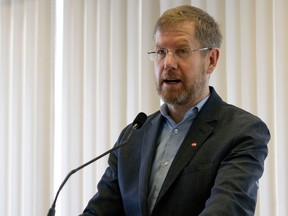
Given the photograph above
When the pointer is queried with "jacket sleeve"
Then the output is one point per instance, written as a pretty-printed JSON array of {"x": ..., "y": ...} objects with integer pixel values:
[
  {"x": 236, "y": 184},
  {"x": 107, "y": 201}
]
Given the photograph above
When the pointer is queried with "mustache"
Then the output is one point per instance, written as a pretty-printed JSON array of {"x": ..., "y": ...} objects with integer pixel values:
[{"x": 169, "y": 75}]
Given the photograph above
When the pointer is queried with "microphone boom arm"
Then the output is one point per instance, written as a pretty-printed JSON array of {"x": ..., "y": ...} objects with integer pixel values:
[
  {"x": 137, "y": 123},
  {"x": 52, "y": 209}
]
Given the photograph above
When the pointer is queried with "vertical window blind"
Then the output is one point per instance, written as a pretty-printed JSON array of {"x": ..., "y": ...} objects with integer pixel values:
[{"x": 73, "y": 73}]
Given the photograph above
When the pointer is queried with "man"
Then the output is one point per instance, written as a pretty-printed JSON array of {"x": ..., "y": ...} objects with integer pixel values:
[{"x": 196, "y": 156}]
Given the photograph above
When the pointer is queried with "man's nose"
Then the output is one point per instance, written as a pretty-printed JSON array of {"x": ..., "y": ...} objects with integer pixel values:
[{"x": 170, "y": 60}]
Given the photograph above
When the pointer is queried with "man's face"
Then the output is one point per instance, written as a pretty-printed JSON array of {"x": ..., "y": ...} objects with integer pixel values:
[{"x": 181, "y": 81}]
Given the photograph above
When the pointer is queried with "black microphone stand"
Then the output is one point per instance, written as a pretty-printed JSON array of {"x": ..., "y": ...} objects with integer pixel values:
[
  {"x": 52, "y": 209},
  {"x": 138, "y": 122}
]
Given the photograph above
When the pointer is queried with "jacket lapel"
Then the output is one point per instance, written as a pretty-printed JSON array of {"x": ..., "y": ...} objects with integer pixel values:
[
  {"x": 149, "y": 146},
  {"x": 199, "y": 131}
]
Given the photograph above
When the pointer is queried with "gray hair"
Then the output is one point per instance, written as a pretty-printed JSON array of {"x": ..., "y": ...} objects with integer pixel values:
[{"x": 207, "y": 31}]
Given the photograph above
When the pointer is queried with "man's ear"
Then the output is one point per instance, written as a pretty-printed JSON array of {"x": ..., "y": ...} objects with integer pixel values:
[{"x": 212, "y": 58}]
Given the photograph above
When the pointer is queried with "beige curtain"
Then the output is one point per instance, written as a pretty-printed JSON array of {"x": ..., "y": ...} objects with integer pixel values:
[
  {"x": 25, "y": 106},
  {"x": 73, "y": 73}
]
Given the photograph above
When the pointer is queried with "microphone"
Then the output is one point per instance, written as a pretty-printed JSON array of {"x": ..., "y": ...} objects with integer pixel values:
[{"x": 137, "y": 123}]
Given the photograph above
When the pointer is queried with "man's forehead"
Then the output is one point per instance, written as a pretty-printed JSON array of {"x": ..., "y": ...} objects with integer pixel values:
[
  {"x": 184, "y": 25},
  {"x": 176, "y": 36}
]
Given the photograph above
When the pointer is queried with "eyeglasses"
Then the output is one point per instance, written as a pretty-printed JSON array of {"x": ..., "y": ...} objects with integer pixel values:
[{"x": 180, "y": 53}]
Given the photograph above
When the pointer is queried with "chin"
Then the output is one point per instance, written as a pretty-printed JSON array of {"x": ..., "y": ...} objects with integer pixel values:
[{"x": 174, "y": 99}]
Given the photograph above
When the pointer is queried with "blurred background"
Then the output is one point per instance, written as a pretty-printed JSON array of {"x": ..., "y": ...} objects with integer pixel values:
[{"x": 73, "y": 73}]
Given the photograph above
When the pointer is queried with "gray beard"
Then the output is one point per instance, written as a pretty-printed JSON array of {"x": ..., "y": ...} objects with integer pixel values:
[
  {"x": 182, "y": 98},
  {"x": 187, "y": 96}
]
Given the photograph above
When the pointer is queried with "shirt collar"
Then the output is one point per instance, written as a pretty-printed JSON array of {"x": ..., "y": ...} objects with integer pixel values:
[{"x": 190, "y": 114}]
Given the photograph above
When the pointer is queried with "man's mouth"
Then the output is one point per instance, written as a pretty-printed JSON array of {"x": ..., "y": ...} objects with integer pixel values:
[{"x": 171, "y": 81}]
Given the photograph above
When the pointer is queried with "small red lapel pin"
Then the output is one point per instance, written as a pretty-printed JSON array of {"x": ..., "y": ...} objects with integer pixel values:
[{"x": 194, "y": 145}]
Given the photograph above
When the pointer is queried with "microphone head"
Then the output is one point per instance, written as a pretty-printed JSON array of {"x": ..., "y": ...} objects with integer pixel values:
[{"x": 139, "y": 120}]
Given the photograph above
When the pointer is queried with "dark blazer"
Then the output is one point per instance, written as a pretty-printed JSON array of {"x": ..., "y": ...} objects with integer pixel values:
[{"x": 216, "y": 175}]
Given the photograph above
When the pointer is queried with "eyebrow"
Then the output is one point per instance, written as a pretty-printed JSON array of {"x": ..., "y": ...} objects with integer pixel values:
[{"x": 182, "y": 43}]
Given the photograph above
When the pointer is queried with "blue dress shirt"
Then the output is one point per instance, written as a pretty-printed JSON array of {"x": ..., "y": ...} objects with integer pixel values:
[{"x": 171, "y": 136}]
